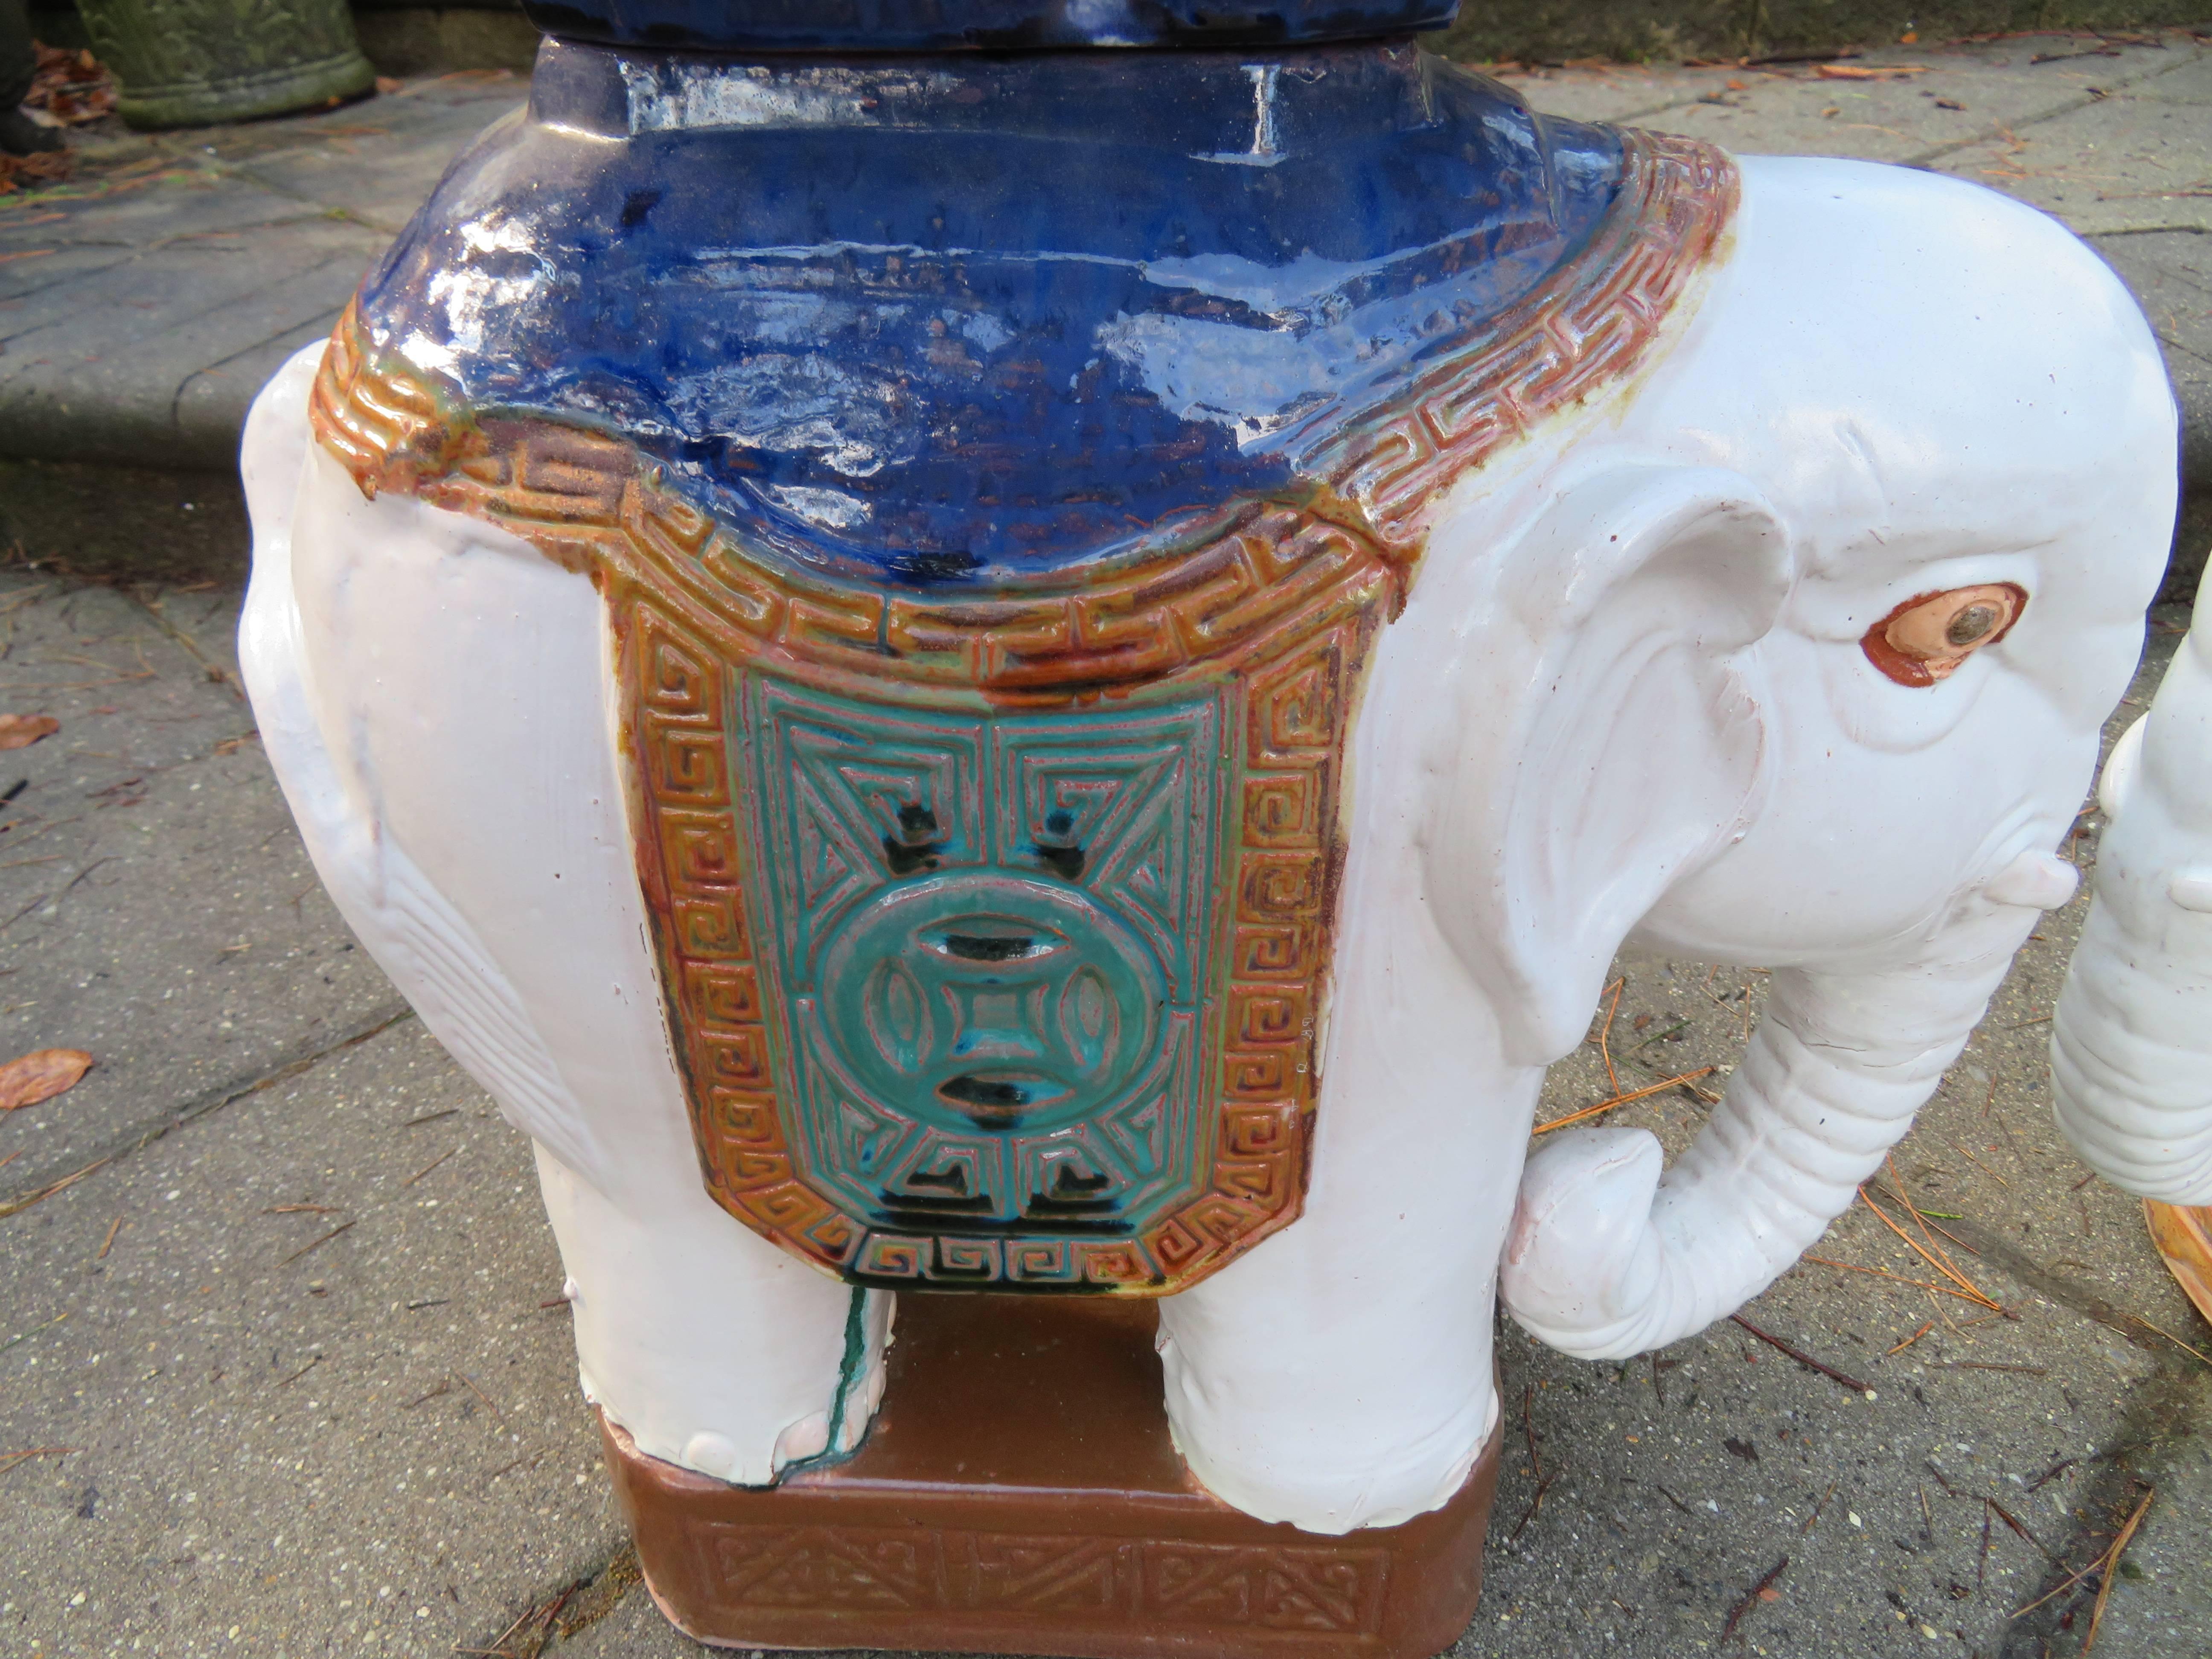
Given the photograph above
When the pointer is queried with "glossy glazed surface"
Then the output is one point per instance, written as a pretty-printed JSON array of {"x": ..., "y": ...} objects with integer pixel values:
[
  {"x": 1020, "y": 1494},
  {"x": 820, "y": 26},
  {"x": 1160, "y": 762}
]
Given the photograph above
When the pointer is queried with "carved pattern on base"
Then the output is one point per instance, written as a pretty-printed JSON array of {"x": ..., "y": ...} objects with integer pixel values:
[{"x": 1331, "y": 1591}]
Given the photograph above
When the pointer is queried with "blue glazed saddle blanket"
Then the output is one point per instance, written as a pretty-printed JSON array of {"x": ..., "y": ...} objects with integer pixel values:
[{"x": 961, "y": 321}]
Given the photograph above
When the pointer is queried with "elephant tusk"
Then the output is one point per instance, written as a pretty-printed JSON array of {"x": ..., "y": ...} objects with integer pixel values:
[
  {"x": 2118, "y": 777},
  {"x": 2192, "y": 891},
  {"x": 2037, "y": 881}
]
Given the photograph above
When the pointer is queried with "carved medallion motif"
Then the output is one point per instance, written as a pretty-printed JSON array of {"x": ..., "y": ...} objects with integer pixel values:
[
  {"x": 994, "y": 927},
  {"x": 993, "y": 939}
]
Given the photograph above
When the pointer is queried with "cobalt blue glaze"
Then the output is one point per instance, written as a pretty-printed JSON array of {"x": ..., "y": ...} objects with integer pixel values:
[
  {"x": 948, "y": 320},
  {"x": 992, "y": 25}
]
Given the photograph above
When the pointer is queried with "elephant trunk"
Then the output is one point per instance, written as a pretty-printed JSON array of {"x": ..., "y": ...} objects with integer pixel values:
[
  {"x": 2131, "y": 1040},
  {"x": 1608, "y": 1258}
]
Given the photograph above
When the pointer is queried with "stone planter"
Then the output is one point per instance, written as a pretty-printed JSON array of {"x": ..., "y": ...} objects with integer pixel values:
[{"x": 194, "y": 62}]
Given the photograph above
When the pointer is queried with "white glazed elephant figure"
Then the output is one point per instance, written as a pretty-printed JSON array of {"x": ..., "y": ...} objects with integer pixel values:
[
  {"x": 1790, "y": 650},
  {"x": 2132, "y": 1042}
]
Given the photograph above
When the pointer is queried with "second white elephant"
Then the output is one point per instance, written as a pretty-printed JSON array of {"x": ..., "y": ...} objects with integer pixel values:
[{"x": 2131, "y": 1041}]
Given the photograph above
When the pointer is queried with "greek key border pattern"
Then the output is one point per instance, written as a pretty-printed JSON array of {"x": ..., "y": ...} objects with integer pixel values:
[
  {"x": 1583, "y": 329},
  {"x": 1293, "y": 704},
  {"x": 1285, "y": 608}
]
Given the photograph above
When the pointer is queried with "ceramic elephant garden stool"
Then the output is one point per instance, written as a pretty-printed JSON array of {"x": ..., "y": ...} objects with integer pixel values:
[{"x": 1055, "y": 671}]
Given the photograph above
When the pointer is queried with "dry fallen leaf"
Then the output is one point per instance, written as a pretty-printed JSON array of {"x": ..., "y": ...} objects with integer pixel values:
[
  {"x": 388, "y": 84},
  {"x": 71, "y": 86},
  {"x": 2184, "y": 1237},
  {"x": 30, "y": 1079},
  {"x": 21, "y": 731},
  {"x": 31, "y": 171}
]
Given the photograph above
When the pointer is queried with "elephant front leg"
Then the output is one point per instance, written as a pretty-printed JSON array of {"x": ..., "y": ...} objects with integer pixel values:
[
  {"x": 1609, "y": 1257},
  {"x": 1341, "y": 1376},
  {"x": 711, "y": 1348}
]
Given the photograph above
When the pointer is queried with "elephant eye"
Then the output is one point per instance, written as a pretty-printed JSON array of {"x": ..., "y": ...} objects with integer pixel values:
[{"x": 1925, "y": 639}]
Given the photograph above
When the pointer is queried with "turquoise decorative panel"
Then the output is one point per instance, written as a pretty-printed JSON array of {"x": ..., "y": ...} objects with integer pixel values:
[{"x": 994, "y": 941}]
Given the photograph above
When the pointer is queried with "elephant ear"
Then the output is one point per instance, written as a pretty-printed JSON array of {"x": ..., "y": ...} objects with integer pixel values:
[{"x": 1628, "y": 748}]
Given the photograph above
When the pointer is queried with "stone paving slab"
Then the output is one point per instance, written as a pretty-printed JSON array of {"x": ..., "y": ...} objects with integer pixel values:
[
  {"x": 376, "y": 172},
  {"x": 1889, "y": 106},
  {"x": 144, "y": 304},
  {"x": 2170, "y": 271},
  {"x": 376, "y": 1446},
  {"x": 2124, "y": 145},
  {"x": 2137, "y": 159},
  {"x": 187, "y": 343},
  {"x": 1558, "y": 30},
  {"x": 264, "y": 1332},
  {"x": 156, "y": 909}
]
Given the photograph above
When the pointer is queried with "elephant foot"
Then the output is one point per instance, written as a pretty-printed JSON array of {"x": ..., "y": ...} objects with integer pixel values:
[
  {"x": 1405, "y": 1483},
  {"x": 1321, "y": 1457},
  {"x": 731, "y": 1452},
  {"x": 805, "y": 1440}
]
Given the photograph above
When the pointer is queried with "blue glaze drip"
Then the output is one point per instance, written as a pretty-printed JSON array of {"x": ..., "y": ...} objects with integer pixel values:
[
  {"x": 955, "y": 321},
  {"x": 988, "y": 25}
]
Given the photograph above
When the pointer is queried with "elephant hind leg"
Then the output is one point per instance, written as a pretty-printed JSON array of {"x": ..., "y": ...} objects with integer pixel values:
[
  {"x": 1609, "y": 1257},
  {"x": 1340, "y": 1376}
]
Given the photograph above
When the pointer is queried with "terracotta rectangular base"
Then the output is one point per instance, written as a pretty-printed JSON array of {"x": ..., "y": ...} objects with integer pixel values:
[{"x": 1018, "y": 1494}]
